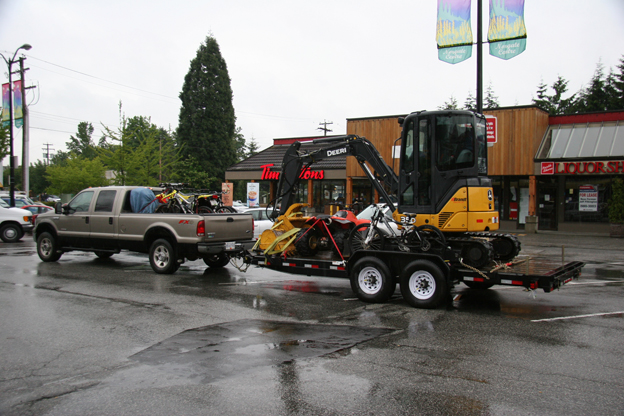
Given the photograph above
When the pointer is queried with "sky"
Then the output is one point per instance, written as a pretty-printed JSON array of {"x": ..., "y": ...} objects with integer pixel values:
[{"x": 293, "y": 64}]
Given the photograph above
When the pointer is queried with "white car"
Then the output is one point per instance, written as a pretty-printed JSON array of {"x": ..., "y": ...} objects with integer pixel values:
[
  {"x": 14, "y": 222},
  {"x": 261, "y": 220}
]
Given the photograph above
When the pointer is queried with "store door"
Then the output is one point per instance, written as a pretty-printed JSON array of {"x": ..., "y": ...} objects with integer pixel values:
[{"x": 547, "y": 207}]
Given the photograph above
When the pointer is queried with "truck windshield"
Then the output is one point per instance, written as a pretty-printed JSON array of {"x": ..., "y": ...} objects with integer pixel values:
[{"x": 455, "y": 142}]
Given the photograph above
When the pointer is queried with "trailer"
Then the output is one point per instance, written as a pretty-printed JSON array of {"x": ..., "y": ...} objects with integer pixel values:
[{"x": 425, "y": 279}]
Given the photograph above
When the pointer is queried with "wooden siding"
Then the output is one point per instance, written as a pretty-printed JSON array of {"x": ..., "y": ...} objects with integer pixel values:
[
  {"x": 520, "y": 132},
  {"x": 382, "y": 132}
]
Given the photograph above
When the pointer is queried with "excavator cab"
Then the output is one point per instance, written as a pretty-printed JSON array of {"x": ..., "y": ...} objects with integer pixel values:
[{"x": 443, "y": 171}]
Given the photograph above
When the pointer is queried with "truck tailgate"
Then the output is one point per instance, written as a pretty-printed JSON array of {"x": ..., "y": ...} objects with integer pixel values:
[{"x": 228, "y": 227}]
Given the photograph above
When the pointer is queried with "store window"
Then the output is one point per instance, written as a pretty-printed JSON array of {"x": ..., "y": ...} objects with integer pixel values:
[
  {"x": 586, "y": 199},
  {"x": 327, "y": 193}
]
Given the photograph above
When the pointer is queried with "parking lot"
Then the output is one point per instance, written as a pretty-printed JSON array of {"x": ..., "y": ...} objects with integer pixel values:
[{"x": 108, "y": 337}]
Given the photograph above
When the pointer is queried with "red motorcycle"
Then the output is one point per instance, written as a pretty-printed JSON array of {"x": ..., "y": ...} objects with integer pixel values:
[{"x": 325, "y": 232}]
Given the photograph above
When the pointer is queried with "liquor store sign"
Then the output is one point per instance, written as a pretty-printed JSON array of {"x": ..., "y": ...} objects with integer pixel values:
[{"x": 583, "y": 168}]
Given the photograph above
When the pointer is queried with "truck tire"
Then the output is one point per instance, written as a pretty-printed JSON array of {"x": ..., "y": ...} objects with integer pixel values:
[
  {"x": 307, "y": 242},
  {"x": 216, "y": 261},
  {"x": 104, "y": 254},
  {"x": 371, "y": 280},
  {"x": 11, "y": 233},
  {"x": 163, "y": 258},
  {"x": 423, "y": 284},
  {"x": 47, "y": 248}
]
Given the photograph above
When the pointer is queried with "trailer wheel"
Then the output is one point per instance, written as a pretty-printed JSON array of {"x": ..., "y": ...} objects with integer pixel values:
[
  {"x": 307, "y": 242},
  {"x": 163, "y": 258},
  {"x": 423, "y": 284},
  {"x": 47, "y": 248},
  {"x": 216, "y": 261},
  {"x": 372, "y": 281}
]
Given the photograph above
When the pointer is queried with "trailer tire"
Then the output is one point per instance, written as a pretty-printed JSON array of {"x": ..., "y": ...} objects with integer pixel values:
[
  {"x": 216, "y": 261},
  {"x": 163, "y": 257},
  {"x": 47, "y": 248},
  {"x": 307, "y": 242},
  {"x": 423, "y": 284},
  {"x": 371, "y": 280}
]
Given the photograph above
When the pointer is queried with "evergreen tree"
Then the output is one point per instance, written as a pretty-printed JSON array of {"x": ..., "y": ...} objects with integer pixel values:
[
  {"x": 471, "y": 102},
  {"x": 555, "y": 104},
  {"x": 491, "y": 100},
  {"x": 594, "y": 97},
  {"x": 206, "y": 129},
  {"x": 451, "y": 104},
  {"x": 616, "y": 83}
]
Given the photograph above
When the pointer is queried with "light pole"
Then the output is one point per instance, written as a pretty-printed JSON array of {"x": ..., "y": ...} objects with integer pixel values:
[{"x": 9, "y": 63}]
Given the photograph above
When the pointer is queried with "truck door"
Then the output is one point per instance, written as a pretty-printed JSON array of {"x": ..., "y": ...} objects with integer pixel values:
[
  {"x": 103, "y": 223},
  {"x": 74, "y": 224}
]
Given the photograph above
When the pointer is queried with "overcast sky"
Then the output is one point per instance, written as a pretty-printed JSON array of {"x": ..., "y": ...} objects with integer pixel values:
[{"x": 293, "y": 64}]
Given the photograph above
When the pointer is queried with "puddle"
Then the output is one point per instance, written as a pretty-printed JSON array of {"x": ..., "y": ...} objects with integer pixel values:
[{"x": 216, "y": 351}]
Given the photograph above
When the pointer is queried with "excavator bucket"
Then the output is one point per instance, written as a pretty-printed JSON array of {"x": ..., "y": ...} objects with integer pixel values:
[{"x": 281, "y": 236}]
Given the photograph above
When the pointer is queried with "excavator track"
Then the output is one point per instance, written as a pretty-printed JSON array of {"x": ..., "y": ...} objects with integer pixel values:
[
  {"x": 474, "y": 251},
  {"x": 506, "y": 246}
]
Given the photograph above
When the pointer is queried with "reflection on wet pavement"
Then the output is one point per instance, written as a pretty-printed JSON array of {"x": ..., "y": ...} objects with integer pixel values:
[{"x": 217, "y": 351}]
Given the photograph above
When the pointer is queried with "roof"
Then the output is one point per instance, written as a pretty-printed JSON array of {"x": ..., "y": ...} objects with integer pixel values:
[{"x": 275, "y": 154}]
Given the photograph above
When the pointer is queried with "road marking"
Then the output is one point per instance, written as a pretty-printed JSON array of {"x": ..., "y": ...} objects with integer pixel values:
[{"x": 578, "y": 316}]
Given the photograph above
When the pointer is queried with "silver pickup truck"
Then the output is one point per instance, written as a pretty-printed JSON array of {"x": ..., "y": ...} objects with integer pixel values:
[{"x": 101, "y": 220}]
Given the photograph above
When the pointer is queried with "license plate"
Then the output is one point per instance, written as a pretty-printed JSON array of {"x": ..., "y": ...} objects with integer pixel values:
[{"x": 230, "y": 245}]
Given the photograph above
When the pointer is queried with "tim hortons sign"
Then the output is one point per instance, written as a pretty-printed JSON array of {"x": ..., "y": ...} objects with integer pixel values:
[
  {"x": 582, "y": 168},
  {"x": 307, "y": 173}
]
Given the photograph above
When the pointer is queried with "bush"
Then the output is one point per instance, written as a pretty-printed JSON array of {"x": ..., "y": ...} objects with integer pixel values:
[{"x": 616, "y": 203}]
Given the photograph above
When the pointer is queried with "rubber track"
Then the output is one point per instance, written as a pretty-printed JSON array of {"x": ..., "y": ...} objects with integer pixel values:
[
  {"x": 511, "y": 239},
  {"x": 458, "y": 243}
]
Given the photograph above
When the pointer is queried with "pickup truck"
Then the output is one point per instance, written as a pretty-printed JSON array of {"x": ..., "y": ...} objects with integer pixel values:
[
  {"x": 101, "y": 220},
  {"x": 14, "y": 222}
]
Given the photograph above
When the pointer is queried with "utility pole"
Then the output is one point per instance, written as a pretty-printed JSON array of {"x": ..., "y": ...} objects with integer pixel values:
[
  {"x": 46, "y": 155},
  {"x": 324, "y": 128},
  {"x": 479, "y": 57},
  {"x": 25, "y": 133}
]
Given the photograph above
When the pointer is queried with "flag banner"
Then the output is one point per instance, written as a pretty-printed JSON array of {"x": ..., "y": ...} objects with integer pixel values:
[
  {"x": 507, "y": 32},
  {"x": 5, "y": 106},
  {"x": 18, "y": 112},
  {"x": 453, "y": 31}
]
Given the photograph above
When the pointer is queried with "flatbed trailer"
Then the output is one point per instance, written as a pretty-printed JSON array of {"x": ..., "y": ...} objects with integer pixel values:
[{"x": 425, "y": 279}]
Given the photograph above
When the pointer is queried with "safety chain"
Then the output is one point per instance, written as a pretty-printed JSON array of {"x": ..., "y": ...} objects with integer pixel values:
[
  {"x": 241, "y": 268},
  {"x": 461, "y": 261}
]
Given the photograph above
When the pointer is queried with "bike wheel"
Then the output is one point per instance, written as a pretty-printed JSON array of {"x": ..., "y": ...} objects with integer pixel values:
[
  {"x": 357, "y": 238},
  {"x": 224, "y": 210},
  {"x": 162, "y": 209}
]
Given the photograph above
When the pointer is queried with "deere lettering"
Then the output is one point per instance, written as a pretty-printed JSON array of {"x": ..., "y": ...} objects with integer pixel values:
[{"x": 336, "y": 152}]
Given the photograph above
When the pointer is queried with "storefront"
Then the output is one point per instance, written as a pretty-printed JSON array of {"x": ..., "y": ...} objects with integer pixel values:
[{"x": 552, "y": 171}]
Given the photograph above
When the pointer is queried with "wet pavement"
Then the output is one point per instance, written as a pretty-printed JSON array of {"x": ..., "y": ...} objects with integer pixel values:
[{"x": 103, "y": 337}]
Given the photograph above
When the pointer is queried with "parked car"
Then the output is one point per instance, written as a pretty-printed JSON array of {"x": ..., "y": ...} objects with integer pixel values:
[
  {"x": 239, "y": 206},
  {"x": 37, "y": 209},
  {"x": 14, "y": 222},
  {"x": 20, "y": 200},
  {"x": 53, "y": 198},
  {"x": 261, "y": 220}
]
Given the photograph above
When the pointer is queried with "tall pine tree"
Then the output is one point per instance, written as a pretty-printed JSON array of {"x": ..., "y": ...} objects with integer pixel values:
[{"x": 206, "y": 130}]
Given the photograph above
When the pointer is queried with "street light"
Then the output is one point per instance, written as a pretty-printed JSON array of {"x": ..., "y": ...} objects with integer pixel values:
[{"x": 10, "y": 63}]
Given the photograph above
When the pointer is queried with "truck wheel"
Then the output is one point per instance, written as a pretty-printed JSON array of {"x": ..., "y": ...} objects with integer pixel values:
[
  {"x": 103, "y": 254},
  {"x": 307, "y": 242},
  {"x": 11, "y": 233},
  {"x": 47, "y": 248},
  {"x": 216, "y": 261},
  {"x": 163, "y": 258},
  {"x": 423, "y": 284},
  {"x": 371, "y": 280}
]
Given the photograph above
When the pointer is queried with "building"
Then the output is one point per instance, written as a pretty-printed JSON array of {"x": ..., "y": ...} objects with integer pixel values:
[{"x": 553, "y": 171}]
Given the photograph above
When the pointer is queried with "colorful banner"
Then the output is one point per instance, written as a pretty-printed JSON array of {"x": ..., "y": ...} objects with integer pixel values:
[
  {"x": 253, "y": 192},
  {"x": 227, "y": 189},
  {"x": 5, "y": 106},
  {"x": 507, "y": 32},
  {"x": 18, "y": 112},
  {"x": 453, "y": 31}
]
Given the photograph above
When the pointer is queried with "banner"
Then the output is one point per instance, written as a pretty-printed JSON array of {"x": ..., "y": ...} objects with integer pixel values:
[
  {"x": 5, "y": 106},
  {"x": 507, "y": 33},
  {"x": 18, "y": 112},
  {"x": 253, "y": 191},
  {"x": 453, "y": 31},
  {"x": 226, "y": 193}
]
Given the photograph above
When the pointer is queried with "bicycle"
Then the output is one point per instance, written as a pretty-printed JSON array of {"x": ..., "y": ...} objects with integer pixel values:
[
  {"x": 173, "y": 202},
  {"x": 210, "y": 203}
]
